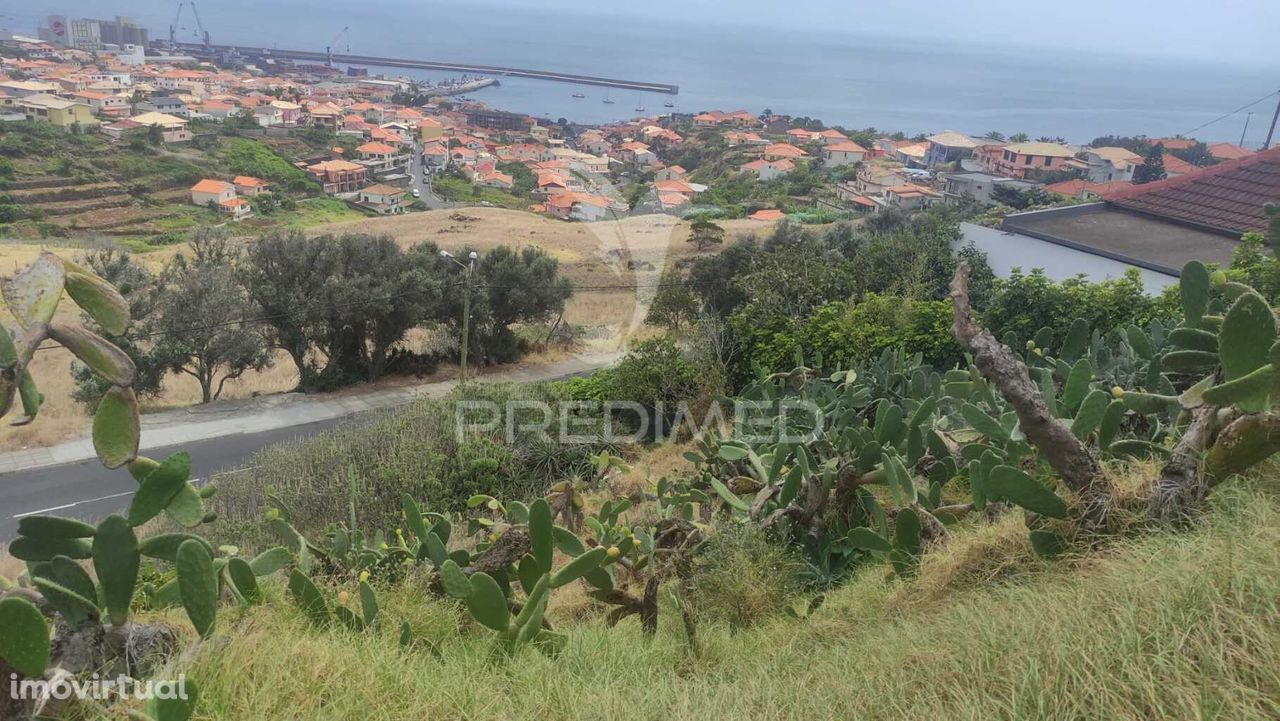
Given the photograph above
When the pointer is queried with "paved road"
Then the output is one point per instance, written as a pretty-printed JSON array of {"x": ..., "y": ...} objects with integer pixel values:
[
  {"x": 422, "y": 181},
  {"x": 87, "y": 491}
]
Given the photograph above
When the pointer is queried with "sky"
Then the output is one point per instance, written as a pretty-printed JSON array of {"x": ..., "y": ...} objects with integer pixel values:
[{"x": 1235, "y": 31}]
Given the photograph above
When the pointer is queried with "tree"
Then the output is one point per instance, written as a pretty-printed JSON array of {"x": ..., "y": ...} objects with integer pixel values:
[
  {"x": 1019, "y": 138},
  {"x": 704, "y": 234},
  {"x": 674, "y": 305},
  {"x": 1198, "y": 155},
  {"x": 285, "y": 275},
  {"x": 994, "y": 135},
  {"x": 199, "y": 306},
  {"x": 510, "y": 287},
  {"x": 1152, "y": 168}
]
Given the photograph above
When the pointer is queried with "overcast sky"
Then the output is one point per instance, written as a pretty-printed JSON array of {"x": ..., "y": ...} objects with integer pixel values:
[{"x": 1231, "y": 30}]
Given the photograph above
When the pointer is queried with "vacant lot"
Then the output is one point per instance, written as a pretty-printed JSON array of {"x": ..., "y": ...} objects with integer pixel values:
[{"x": 614, "y": 266}]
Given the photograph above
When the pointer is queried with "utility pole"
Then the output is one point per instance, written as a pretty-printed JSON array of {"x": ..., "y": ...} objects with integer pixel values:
[
  {"x": 1247, "y": 118},
  {"x": 466, "y": 307},
  {"x": 1267, "y": 143}
]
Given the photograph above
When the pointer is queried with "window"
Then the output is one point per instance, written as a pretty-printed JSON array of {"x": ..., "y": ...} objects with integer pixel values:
[
  {"x": 1047, "y": 161},
  {"x": 1026, "y": 160}
]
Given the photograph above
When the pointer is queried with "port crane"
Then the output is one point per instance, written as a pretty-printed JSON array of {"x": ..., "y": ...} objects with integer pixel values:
[
  {"x": 328, "y": 49},
  {"x": 177, "y": 20}
]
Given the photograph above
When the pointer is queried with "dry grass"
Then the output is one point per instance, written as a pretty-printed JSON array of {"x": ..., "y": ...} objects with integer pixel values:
[
  {"x": 591, "y": 255},
  {"x": 1168, "y": 626},
  {"x": 629, "y": 252}
]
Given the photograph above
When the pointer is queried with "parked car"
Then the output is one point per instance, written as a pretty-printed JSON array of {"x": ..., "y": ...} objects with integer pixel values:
[{"x": 416, "y": 193}]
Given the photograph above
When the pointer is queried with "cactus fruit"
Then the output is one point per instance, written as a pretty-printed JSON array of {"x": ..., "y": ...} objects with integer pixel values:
[
  {"x": 24, "y": 637},
  {"x": 116, "y": 560},
  {"x": 197, "y": 586}
]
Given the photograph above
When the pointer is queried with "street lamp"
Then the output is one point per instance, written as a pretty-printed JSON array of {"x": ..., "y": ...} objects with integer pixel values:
[{"x": 466, "y": 306}]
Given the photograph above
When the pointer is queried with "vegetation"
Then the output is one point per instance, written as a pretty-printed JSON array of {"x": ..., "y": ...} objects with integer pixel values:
[{"x": 865, "y": 511}]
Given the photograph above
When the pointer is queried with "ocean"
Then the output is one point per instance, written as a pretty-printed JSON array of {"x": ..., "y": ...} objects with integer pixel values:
[{"x": 854, "y": 79}]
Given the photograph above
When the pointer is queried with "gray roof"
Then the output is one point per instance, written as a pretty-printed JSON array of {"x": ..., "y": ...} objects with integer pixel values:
[{"x": 1132, "y": 238}]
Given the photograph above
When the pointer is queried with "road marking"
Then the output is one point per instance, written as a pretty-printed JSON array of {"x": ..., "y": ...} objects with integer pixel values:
[{"x": 73, "y": 504}]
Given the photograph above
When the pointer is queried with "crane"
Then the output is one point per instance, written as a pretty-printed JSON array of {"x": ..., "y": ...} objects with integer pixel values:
[
  {"x": 328, "y": 49},
  {"x": 203, "y": 32},
  {"x": 177, "y": 20}
]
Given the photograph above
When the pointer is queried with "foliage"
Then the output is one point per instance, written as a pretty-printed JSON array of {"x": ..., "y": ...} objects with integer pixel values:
[
  {"x": 656, "y": 375},
  {"x": 1023, "y": 303},
  {"x": 244, "y": 156},
  {"x": 91, "y": 614},
  {"x": 704, "y": 234},
  {"x": 420, "y": 450},
  {"x": 1152, "y": 168},
  {"x": 744, "y": 577},
  {"x": 200, "y": 307},
  {"x": 673, "y": 305},
  {"x": 912, "y": 430}
]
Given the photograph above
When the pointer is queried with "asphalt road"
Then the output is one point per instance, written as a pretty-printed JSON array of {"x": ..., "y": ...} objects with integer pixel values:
[{"x": 87, "y": 491}]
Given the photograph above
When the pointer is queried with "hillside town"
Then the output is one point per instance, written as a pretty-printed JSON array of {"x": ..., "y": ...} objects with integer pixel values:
[{"x": 386, "y": 153}]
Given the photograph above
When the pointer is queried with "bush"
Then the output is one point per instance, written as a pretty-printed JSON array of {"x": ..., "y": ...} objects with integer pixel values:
[
  {"x": 1024, "y": 303},
  {"x": 414, "y": 450},
  {"x": 745, "y": 578}
]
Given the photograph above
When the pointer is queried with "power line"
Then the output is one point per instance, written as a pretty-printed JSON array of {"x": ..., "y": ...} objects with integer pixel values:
[{"x": 1233, "y": 112}]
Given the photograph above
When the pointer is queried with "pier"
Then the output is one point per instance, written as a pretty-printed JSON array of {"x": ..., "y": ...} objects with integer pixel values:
[{"x": 348, "y": 59}]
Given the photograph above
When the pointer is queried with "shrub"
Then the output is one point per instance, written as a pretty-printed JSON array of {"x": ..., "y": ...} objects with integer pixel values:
[
  {"x": 745, "y": 578},
  {"x": 413, "y": 450}
]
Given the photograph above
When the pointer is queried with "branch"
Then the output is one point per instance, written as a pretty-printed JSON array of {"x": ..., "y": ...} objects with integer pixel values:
[{"x": 1077, "y": 467}]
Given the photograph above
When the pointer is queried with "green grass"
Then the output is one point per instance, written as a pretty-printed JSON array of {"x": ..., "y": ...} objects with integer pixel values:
[
  {"x": 1165, "y": 626},
  {"x": 460, "y": 191}
]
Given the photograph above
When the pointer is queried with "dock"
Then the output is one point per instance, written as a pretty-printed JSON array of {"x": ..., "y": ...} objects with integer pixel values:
[{"x": 493, "y": 70}]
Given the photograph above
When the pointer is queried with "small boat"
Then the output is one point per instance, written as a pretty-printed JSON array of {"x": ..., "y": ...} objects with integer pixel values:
[
  {"x": 607, "y": 101},
  {"x": 668, "y": 105},
  {"x": 579, "y": 95},
  {"x": 639, "y": 109}
]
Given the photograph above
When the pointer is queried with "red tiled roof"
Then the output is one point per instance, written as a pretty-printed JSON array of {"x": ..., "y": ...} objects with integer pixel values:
[
  {"x": 1074, "y": 188},
  {"x": 1228, "y": 151},
  {"x": 1227, "y": 197}
]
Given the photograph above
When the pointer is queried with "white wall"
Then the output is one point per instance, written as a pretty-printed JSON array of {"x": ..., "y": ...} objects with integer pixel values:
[{"x": 1006, "y": 251}]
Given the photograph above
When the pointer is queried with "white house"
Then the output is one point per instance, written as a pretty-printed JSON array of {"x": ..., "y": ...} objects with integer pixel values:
[
  {"x": 843, "y": 153},
  {"x": 768, "y": 169}
]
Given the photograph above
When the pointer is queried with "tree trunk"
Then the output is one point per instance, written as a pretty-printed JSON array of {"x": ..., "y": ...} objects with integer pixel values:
[{"x": 1077, "y": 467}]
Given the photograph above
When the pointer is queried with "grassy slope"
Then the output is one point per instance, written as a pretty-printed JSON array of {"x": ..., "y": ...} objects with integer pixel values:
[{"x": 1169, "y": 626}]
